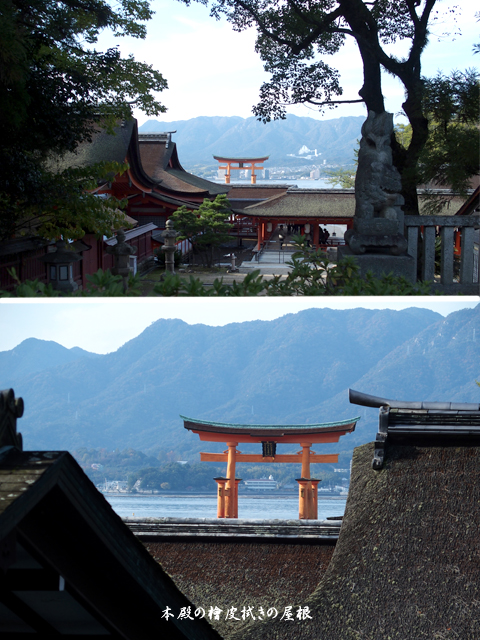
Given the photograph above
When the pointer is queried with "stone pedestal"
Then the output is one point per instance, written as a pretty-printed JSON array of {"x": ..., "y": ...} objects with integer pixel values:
[
  {"x": 221, "y": 482},
  {"x": 315, "y": 482},
  {"x": 303, "y": 498},
  {"x": 382, "y": 264},
  {"x": 169, "y": 236}
]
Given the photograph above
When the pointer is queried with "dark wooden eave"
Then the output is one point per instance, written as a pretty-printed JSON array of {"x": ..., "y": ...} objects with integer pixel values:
[
  {"x": 426, "y": 423},
  {"x": 81, "y": 564},
  {"x": 471, "y": 205}
]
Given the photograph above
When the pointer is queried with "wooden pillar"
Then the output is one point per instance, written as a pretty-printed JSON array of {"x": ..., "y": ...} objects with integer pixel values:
[
  {"x": 220, "y": 496},
  {"x": 306, "y": 475},
  {"x": 227, "y": 175},
  {"x": 458, "y": 245},
  {"x": 230, "y": 488},
  {"x": 305, "y": 459},
  {"x": 316, "y": 235},
  {"x": 259, "y": 235},
  {"x": 314, "y": 482},
  {"x": 303, "y": 498},
  {"x": 237, "y": 482},
  {"x": 253, "y": 177}
]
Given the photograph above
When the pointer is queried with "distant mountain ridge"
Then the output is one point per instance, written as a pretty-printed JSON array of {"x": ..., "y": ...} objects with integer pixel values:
[
  {"x": 34, "y": 355},
  {"x": 296, "y": 369},
  {"x": 199, "y": 139}
]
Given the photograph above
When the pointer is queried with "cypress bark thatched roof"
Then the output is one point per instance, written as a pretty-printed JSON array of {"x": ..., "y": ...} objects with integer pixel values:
[
  {"x": 407, "y": 562},
  {"x": 242, "y": 574}
]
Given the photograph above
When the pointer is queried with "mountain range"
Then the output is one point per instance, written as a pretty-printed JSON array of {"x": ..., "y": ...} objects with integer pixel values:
[
  {"x": 296, "y": 369},
  {"x": 199, "y": 139}
]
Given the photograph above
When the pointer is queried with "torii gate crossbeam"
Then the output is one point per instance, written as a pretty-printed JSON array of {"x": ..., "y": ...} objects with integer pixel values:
[
  {"x": 243, "y": 164},
  {"x": 268, "y": 436}
]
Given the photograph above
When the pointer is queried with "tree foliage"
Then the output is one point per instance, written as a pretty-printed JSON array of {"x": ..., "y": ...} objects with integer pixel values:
[
  {"x": 55, "y": 88},
  {"x": 177, "y": 477},
  {"x": 313, "y": 273},
  {"x": 50, "y": 204},
  {"x": 450, "y": 156},
  {"x": 101, "y": 284},
  {"x": 343, "y": 178},
  {"x": 206, "y": 228},
  {"x": 296, "y": 36}
]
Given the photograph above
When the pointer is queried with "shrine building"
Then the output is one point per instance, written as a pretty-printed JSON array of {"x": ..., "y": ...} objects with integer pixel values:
[
  {"x": 307, "y": 209},
  {"x": 269, "y": 436}
]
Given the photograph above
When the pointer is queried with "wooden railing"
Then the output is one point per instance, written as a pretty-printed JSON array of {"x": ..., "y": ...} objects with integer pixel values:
[{"x": 421, "y": 234}]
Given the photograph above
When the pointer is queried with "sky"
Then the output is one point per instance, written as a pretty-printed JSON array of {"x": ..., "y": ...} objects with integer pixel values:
[
  {"x": 102, "y": 326},
  {"x": 214, "y": 71}
]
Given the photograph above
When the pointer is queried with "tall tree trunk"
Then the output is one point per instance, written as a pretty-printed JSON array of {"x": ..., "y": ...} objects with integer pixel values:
[
  {"x": 408, "y": 159},
  {"x": 364, "y": 31}
]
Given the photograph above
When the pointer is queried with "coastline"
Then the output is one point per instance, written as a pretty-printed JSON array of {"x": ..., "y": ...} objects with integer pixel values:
[{"x": 190, "y": 494}]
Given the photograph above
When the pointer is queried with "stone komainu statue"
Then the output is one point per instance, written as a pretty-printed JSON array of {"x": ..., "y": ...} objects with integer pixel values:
[
  {"x": 378, "y": 222},
  {"x": 11, "y": 408}
]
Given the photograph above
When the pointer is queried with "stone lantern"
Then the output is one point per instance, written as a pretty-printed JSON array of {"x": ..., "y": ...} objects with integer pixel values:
[
  {"x": 60, "y": 267},
  {"x": 121, "y": 255},
  {"x": 169, "y": 236}
]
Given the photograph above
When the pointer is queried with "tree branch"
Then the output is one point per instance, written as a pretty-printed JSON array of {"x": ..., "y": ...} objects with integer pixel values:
[
  {"x": 411, "y": 9},
  {"x": 295, "y": 48},
  {"x": 335, "y": 102}
]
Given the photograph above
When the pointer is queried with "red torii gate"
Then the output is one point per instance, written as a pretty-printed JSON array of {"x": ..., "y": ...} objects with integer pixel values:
[
  {"x": 243, "y": 163},
  {"x": 268, "y": 436}
]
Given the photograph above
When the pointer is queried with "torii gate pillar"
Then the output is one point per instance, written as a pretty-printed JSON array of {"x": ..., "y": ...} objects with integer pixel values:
[
  {"x": 221, "y": 482},
  {"x": 231, "y": 487},
  {"x": 250, "y": 164},
  {"x": 268, "y": 436}
]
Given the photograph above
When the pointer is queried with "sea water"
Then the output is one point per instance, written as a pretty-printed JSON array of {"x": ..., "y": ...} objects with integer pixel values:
[{"x": 256, "y": 507}]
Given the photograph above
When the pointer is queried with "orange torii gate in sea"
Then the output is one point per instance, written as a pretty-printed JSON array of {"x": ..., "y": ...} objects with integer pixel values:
[
  {"x": 248, "y": 164},
  {"x": 269, "y": 436}
]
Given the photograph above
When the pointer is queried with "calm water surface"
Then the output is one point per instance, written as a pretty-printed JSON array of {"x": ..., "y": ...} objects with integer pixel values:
[{"x": 206, "y": 507}]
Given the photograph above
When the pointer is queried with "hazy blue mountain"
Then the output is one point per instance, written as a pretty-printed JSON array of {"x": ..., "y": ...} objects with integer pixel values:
[
  {"x": 199, "y": 139},
  {"x": 35, "y": 355},
  {"x": 295, "y": 369}
]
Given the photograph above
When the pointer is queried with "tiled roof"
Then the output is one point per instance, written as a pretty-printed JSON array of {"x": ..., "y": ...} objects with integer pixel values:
[
  {"x": 104, "y": 147},
  {"x": 19, "y": 473},
  {"x": 299, "y": 203},
  {"x": 450, "y": 207},
  {"x": 152, "y": 160},
  {"x": 199, "y": 183},
  {"x": 320, "y": 203},
  {"x": 161, "y": 163},
  {"x": 256, "y": 191},
  {"x": 133, "y": 233}
]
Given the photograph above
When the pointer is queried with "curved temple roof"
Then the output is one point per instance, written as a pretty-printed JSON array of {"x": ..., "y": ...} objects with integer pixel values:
[
  {"x": 269, "y": 430},
  {"x": 366, "y": 400},
  {"x": 249, "y": 159}
]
